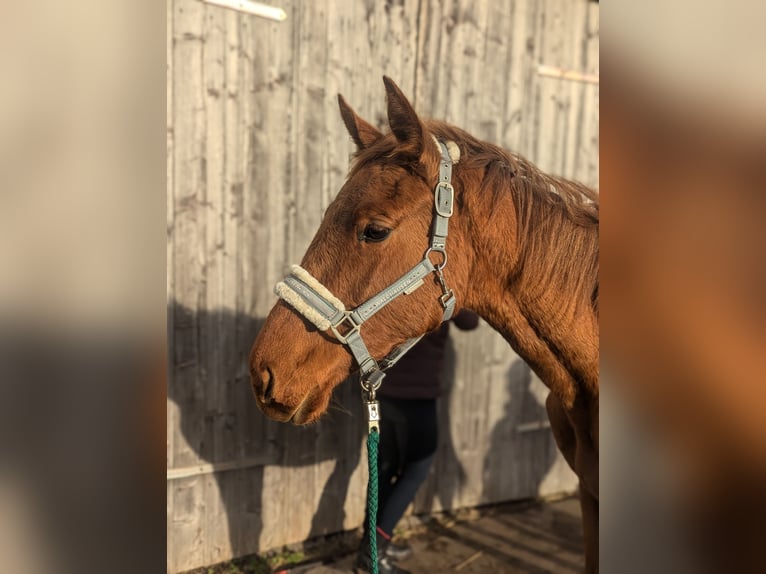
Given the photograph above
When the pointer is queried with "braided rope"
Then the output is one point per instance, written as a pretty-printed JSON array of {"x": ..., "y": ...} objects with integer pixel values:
[{"x": 373, "y": 438}]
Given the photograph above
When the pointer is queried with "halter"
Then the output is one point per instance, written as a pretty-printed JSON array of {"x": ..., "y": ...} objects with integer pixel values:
[{"x": 316, "y": 303}]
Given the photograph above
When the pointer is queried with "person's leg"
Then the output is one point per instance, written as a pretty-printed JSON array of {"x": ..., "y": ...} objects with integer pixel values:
[
  {"x": 402, "y": 494},
  {"x": 420, "y": 447},
  {"x": 392, "y": 447}
]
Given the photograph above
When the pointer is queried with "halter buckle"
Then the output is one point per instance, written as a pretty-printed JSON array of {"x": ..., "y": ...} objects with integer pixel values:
[
  {"x": 354, "y": 327},
  {"x": 444, "y": 199}
]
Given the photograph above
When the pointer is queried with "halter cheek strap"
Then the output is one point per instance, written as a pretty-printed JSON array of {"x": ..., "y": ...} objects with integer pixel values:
[{"x": 304, "y": 293}]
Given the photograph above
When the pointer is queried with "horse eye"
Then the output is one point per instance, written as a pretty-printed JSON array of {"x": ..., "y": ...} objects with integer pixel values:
[{"x": 374, "y": 233}]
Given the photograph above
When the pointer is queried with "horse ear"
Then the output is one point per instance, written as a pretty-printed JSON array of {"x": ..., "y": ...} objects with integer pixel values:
[
  {"x": 403, "y": 120},
  {"x": 363, "y": 134}
]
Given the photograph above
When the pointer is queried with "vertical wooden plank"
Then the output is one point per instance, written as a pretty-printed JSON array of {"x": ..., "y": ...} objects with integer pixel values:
[
  {"x": 589, "y": 140},
  {"x": 267, "y": 85},
  {"x": 517, "y": 68},
  {"x": 189, "y": 181},
  {"x": 212, "y": 332},
  {"x": 187, "y": 526},
  {"x": 310, "y": 142},
  {"x": 560, "y": 33},
  {"x": 271, "y": 73},
  {"x": 187, "y": 518},
  {"x": 216, "y": 532},
  {"x": 233, "y": 355},
  {"x": 574, "y": 90},
  {"x": 549, "y": 27}
]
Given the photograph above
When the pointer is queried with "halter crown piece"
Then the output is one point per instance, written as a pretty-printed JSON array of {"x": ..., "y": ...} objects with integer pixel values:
[{"x": 316, "y": 303}]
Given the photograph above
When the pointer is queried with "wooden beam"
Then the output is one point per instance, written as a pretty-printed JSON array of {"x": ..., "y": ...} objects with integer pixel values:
[
  {"x": 254, "y": 8},
  {"x": 564, "y": 74},
  {"x": 533, "y": 426},
  {"x": 212, "y": 468}
]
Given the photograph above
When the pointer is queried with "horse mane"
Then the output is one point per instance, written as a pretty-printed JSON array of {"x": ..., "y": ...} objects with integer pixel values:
[{"x": 546, "y": 206}]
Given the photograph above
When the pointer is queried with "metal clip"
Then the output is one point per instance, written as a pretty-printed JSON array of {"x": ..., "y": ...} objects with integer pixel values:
[
  {"x": 373, "y": 416},
  {"x": 442, "y": 282},
  {"x": 447, "y": 293}
]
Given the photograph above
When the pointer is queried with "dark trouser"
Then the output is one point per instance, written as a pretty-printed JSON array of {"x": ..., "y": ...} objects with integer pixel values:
[{"x": 408, "y": 440}]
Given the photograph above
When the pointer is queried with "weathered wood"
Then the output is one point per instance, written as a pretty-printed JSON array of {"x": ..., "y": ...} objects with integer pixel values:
[{"x": 256, "y": 152}]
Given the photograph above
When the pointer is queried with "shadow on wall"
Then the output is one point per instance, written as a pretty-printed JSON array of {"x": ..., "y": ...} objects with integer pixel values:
[
  {"x": 522, "y": 451},
  {"x": 521, "y": 455},
  {"x": 523, "y": 432},
  {"x": 218, "y": 418},
  {"x": 217, "y": 415}
]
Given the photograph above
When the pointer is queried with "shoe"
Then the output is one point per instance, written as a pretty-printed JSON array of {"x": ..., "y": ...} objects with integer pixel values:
[
  {"x": 385, "y": 562},
  {"x": 398, "y": 551}
]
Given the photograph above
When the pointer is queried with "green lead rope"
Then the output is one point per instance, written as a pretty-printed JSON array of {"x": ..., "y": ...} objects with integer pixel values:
[{"x": 373, "y": 438}]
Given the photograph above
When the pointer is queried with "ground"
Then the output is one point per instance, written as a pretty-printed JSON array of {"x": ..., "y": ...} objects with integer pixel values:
[{"x": 528, "y": 537}]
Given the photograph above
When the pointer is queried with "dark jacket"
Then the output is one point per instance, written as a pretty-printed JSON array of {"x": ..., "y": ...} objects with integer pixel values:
[{"x": 418, "y": 374}]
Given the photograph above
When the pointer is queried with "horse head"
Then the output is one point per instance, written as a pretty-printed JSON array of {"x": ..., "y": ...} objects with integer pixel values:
[{"x": 374, "y": 232}]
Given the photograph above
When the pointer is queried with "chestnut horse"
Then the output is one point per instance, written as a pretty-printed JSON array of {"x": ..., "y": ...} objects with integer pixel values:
[{"x": 523, "y": 254}]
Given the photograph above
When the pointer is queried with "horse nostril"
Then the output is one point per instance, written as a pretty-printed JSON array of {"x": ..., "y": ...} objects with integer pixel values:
[
  {"x": 268, "y": 382},
  {"x": 262, "y": 380}
]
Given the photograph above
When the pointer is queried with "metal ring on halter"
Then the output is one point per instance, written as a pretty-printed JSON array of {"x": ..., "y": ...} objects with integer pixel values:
[
  {"x": 443, "y": 253},
  {"x": 369, "y": 386}
]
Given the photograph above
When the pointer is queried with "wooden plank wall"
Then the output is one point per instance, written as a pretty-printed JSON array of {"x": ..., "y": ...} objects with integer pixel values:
[{"x": 256, "y": 151}]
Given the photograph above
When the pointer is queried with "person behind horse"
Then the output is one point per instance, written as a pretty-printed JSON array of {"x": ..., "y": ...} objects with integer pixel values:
[{"x": 408, "y": 437}]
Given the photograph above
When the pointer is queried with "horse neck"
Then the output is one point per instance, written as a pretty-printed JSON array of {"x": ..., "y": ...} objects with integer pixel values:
[{"x": 533, "y": 278}]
